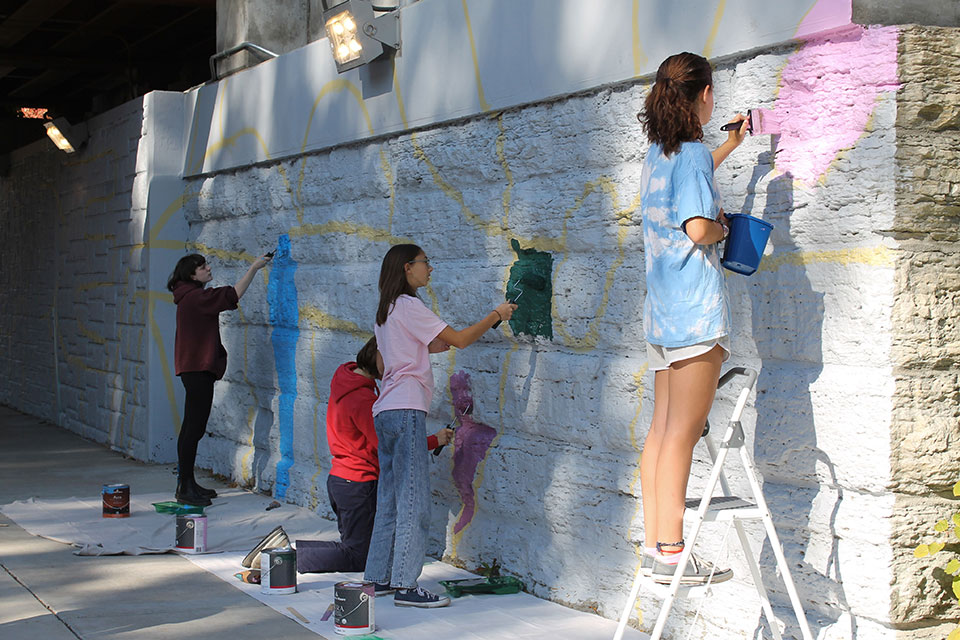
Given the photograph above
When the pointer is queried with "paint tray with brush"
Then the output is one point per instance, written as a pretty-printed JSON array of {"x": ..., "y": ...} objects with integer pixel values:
[
  {"x": 177, "y": 509},
  {"x": 499, "y": 585}
]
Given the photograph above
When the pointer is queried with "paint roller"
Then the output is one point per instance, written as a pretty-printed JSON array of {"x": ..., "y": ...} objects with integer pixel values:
[
  {"x": 466, "y": 412},
  {"x": 759, "y": 122},
  {"x": 531, "y": 280}
]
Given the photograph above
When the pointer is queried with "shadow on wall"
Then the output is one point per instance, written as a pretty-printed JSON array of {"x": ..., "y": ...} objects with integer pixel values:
[{"x": 787, "y": 326}]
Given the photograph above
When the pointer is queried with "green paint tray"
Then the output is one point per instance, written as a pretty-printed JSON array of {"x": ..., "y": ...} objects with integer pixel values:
[
  {"x": 499, "y": 585},
  {"x": 177, "y": 509}
]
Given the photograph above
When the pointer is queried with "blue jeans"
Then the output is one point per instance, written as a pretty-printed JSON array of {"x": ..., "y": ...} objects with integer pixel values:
[{"x": 402, "y": 524}]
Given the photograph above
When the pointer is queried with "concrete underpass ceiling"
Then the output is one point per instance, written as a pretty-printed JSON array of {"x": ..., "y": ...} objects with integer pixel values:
[{"x": 79, "y": 58}]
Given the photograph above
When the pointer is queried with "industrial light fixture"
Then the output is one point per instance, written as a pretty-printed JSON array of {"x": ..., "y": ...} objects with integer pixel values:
[
  {"x": 67, "y": 138},
  {"x": 358, "y": 36}
]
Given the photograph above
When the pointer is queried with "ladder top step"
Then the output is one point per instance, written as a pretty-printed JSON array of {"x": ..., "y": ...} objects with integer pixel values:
[{"x": 722, "y": 503}]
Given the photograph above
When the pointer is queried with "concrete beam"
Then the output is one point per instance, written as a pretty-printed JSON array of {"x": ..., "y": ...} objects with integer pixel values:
[{"x": 941, "y": 13}]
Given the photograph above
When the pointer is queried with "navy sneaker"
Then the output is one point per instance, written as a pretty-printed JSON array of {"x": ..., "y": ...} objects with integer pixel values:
[
  {"x": 382, "y": 589},
  {"x": 419, "y": 597}
]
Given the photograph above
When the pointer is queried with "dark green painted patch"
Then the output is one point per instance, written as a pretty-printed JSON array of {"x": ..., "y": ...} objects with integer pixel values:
[{"x": 531, "y": 274}]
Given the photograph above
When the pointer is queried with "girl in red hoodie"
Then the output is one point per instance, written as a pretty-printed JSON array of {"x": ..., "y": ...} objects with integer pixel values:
[{"x": 352, "y": 483}]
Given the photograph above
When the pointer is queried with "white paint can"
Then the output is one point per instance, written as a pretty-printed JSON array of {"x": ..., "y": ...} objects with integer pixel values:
[
  {"x": 278, "y": 571},
  {"x": 353, "y": 608},
  {"x": 191, "y": 533}
]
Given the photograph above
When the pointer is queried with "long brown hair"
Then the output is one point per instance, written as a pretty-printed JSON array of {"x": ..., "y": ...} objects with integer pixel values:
[
  {"x": 669, "y": 115},
  {"x": 393, "y": 277}
]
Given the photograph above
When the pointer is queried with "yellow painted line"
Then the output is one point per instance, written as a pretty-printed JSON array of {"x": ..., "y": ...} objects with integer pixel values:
[
  {"x": 639, "y": 57},
  {"x": 171, "y": 209},
  {"x": 252, "y": 412},
  {"x": 164, "y": 364},
  {"x": 88, "y": 286},
  {"x": 476, "y": 64},
  {"x": 90, "y": 335},
  {"x": 323, "y": 320},
  {"x": 316, "y": 425},
  {"x": 508, "y": 190},
  {"x": 879, "y": 256},
  {"x": 638, "y": 550},
  {"x": 717, "y": 17},
  {"x": 349, "y": 228}
]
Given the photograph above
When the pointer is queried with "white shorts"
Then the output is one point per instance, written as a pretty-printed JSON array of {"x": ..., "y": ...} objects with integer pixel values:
[{"x": 660, "y": 358}]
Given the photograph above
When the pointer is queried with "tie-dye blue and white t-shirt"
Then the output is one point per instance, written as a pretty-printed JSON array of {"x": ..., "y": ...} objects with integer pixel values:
[{"x": 686, "y": 299}]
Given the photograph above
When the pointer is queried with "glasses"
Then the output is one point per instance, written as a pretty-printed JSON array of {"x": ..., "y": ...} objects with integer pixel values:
[{"x": 425, "y": 261}]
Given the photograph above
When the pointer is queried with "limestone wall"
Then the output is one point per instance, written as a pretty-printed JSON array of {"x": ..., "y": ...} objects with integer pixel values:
[{"x": 926, "y": 338}]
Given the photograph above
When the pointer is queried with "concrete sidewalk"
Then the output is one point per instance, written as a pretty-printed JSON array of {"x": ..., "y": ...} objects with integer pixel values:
[{"x": 47, "y": 593}]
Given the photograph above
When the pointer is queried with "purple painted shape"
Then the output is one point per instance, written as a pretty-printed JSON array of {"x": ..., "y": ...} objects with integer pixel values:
[
  {"x": 471, "y": 443},
  {"x": 828, "y": 92}
]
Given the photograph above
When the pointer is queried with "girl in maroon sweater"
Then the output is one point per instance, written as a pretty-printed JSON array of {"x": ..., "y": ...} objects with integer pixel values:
[{"x": 199, "y": 357}]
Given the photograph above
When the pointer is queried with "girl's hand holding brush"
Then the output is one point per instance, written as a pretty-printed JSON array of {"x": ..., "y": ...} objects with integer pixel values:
[{"x": 504, "y": 311}]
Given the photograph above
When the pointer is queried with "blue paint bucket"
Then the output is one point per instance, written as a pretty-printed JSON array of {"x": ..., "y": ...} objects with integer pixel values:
[{"x": 745, "y": 244}]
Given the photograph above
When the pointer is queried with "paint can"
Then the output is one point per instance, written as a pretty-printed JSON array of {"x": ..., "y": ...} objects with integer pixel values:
[
  {"x": 191, "y": 533},
  {"x": 116, "y": 500},
  {"x": 278, "y": 571},
  {"x": 353, "y": 608}
]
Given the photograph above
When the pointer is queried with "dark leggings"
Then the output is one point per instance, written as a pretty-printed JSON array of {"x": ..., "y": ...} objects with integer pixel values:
[{"x": 196, "y": 411}]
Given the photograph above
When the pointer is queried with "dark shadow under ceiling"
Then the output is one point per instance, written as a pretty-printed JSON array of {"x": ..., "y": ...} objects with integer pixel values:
[{"x": 79, "y": 58}]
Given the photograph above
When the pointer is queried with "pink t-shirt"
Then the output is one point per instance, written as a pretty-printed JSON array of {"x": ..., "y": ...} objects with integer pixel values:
[{"x": 403, "y": 340}]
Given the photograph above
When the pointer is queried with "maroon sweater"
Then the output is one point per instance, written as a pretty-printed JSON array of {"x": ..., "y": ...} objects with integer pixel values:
[{"x": 197, "y": 346}]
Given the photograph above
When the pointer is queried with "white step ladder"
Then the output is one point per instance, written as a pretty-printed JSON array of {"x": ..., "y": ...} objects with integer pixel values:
[{"x": 727, "y": 508}]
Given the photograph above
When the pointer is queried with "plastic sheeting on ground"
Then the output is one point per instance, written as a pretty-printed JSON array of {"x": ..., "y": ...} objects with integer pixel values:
[
  {"x": 236, "y": 522},
  {"x": 471, "y": 617}
]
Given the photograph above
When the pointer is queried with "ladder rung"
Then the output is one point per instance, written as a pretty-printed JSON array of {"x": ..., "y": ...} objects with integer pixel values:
[
  {"x": 686, "y": 591},
  {"x": 725, "y": 508}
]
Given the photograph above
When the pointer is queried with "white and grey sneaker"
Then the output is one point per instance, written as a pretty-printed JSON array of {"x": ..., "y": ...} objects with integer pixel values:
[
  {"x": 646, "y": 565},
  {"x": 696, "y": 572},
  {"x": 419, "y": 597}
]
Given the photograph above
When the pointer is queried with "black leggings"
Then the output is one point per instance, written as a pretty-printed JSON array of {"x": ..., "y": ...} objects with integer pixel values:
[{"x": 196, "y": 411}]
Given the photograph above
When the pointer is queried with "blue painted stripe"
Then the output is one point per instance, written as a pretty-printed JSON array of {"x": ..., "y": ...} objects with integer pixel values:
[{"x": 285, "y": 322}]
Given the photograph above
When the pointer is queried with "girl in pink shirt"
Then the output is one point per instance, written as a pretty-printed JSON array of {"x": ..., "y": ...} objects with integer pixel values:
[{"x": 407, "y": 333}]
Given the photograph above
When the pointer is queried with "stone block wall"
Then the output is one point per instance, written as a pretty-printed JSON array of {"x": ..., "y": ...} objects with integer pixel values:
[
  {"x": 926, "y": 339},
  {"x": 74, "y": 282},
  {"x": 551, "y": 490}
]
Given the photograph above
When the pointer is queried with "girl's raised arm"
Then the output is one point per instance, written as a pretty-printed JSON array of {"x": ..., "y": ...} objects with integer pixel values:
[{"x": 466, "y": 337}]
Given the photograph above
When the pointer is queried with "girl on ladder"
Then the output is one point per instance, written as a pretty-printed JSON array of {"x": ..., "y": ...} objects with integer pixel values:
[{"x": 686, "y": 314}]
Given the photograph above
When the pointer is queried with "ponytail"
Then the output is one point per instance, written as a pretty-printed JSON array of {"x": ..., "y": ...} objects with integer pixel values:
[{"x": 669, "y": 115}]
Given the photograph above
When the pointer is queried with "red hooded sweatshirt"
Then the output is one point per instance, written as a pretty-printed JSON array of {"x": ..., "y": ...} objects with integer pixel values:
[
  {"x": 197, "y": 346},
  {"x": 350, "y": 433}
]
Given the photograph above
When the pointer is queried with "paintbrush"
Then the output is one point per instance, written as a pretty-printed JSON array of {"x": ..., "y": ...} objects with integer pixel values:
[{"x": 759, "y": 122}]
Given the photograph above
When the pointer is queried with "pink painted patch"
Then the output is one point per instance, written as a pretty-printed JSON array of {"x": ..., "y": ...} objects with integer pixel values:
[
  {"x": 825, "y": 15},
  {"x": 828, "y": 91}
]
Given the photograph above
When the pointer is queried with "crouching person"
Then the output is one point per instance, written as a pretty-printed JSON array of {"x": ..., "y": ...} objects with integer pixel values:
[{"x": 352, "y": 483}]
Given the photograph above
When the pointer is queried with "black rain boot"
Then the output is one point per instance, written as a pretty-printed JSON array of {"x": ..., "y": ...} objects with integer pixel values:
[
  {"x": 206, "y": 493},
  {"x": 188, "y": 493}
]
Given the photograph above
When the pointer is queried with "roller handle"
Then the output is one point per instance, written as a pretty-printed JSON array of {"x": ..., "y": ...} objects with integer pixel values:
[{"x": 437, "y": 451}]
